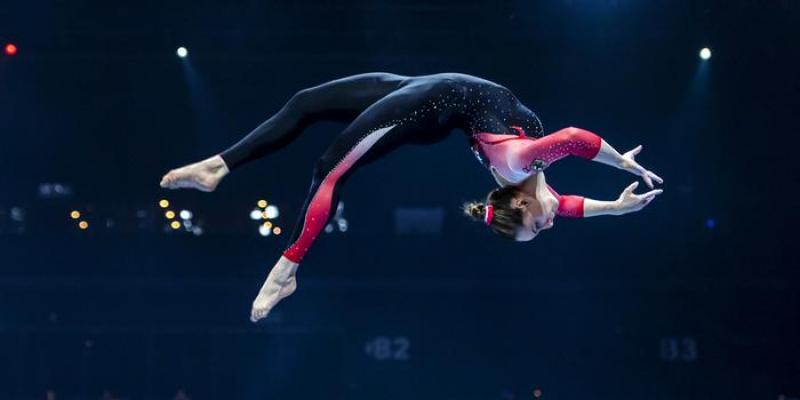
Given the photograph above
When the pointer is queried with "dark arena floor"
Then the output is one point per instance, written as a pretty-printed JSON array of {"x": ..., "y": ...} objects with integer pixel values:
[{"x": 114, "y": 288}]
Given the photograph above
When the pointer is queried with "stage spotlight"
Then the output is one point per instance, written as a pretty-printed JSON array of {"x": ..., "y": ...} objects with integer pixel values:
[
  {"x": 186, "y": 214},
  {"x": 10, "y": 49},
  {"x": 169, "y": 214},
  {"x": 264, "y": 231},
  {"x": 83, "y": 225},
  {"x": 75, "y": 214},
  {"x": 255, "y": 215},
  {"x": 276, "y": 230},
  {"x": 182, "y": 52},
  {"x": 163, "y": 203},
  {"x": 175, "y": 225},
  {"x": 272, "y": 212},
  {"x": 705, "y": 53},
  {"x": 267, "y": 224},
  {"x": 262, "y": 203}
]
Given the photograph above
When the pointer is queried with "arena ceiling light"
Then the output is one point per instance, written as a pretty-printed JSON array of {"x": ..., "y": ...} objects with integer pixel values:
[{"x": 10, "y": 49}]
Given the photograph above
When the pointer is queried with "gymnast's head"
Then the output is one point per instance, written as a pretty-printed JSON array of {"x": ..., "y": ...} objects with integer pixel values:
[{"x": 514, "y": 214}]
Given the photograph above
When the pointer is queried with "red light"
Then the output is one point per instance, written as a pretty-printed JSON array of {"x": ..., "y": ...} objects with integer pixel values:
[{"x": 10, "y": 49}]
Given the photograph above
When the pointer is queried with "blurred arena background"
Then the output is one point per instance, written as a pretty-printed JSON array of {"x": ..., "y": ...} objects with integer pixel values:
[{"x": 111, "y": 288}]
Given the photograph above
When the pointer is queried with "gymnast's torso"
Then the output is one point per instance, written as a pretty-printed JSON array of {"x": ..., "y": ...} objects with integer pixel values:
[{"x": 505, "y": 135}]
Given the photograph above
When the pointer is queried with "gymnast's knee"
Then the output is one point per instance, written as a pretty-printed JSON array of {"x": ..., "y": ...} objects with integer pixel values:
[{"x": 300, "y": 100}]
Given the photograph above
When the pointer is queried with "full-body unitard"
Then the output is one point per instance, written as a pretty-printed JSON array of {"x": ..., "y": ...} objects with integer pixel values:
[{"x": 385, "y": 111}]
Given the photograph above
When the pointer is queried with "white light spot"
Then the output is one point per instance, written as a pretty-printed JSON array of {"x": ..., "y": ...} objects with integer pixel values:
[
  {"x": 186, "y": 214},
  {"x": 272, "y": 211},
  {"x": 705, "y": 53},
  {"x": 264, "y": 231},
  {"x": 255, "y": 215},
  {"x": 182, "y": 52}
]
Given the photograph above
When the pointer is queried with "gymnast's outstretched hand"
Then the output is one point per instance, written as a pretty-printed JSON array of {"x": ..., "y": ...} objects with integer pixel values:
[
  {"x": 628, "y": 163},
  {"x": 629, "y": 202},
  {"x": 281, "y": 282}
]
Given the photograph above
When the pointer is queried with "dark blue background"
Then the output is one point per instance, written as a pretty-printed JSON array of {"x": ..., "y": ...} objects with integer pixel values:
[{"x": 658, "y": 304}]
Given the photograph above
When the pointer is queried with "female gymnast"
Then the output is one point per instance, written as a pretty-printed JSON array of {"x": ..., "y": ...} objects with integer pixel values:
[{"x": 386, "y": 111}]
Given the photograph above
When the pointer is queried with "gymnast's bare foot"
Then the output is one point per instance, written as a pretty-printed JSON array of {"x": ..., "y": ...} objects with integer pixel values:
[
  {"x": 280, "y": 283},
  {"x": 204, "y": 175}
]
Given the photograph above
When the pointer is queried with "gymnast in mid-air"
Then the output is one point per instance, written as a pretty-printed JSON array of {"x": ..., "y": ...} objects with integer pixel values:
[{"x": 386, "y": 111}]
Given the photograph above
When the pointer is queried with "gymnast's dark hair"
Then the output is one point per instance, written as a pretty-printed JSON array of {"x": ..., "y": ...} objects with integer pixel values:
[{"x": 506, "y": 219}]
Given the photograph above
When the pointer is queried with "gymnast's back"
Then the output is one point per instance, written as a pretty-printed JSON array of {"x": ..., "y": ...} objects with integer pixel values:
[{"x": 479, "y": 105}]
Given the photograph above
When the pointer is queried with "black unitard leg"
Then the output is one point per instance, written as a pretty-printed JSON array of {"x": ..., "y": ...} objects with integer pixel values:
[
  {"x": 340, "y": 100},
  {"x": 418, "y": 113}
]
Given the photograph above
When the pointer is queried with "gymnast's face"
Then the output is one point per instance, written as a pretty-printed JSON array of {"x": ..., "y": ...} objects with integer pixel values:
[{"x": 538, "y": 210}]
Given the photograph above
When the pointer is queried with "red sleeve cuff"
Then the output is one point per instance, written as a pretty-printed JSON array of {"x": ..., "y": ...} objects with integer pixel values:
[{"x": 570, "y": 206}]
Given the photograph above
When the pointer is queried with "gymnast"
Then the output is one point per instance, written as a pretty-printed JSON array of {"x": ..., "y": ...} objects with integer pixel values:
[{"x": 386, "y": 111}]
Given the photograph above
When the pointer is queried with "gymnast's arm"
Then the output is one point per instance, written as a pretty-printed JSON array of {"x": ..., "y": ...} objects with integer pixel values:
[
  {"x": 585, "y": 144},
  {"x": 584, "y": 207},
  {"x": 338, "y": 100}
]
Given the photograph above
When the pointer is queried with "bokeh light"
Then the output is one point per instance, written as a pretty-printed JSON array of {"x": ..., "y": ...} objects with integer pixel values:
[{"x": 272, "y": 212}]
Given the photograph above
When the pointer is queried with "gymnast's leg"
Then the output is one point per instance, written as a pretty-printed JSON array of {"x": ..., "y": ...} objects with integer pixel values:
[
  {"x": 339, "y": 100},
  {"x": 395, "y": 120}
]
